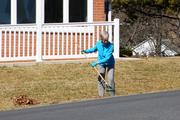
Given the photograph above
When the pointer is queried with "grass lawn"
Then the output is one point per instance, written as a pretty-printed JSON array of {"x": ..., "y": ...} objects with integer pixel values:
[{"x": 59, "y": 83}]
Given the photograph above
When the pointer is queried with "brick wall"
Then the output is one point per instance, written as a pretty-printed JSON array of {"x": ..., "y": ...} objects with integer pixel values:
[{"x": 99, "y": 14}]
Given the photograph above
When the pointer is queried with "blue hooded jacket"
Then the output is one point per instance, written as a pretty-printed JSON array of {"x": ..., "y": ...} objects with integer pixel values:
[{"x": 105, "y": 53}]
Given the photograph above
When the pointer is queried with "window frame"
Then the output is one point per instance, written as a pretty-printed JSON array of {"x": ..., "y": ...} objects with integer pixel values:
[{"x": 65, "y": 12}]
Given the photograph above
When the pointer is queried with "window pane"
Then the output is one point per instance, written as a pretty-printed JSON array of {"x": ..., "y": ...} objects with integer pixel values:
[
  {"x": 26, "y": 11},
  {"x": 77, "y": 10},
  {"x": 5, "y": 13},
  {"x": 53, "y": 11}
]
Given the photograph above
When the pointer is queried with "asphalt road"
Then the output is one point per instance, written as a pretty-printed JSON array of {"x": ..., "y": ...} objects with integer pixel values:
[{"x": 157, "y": 106}]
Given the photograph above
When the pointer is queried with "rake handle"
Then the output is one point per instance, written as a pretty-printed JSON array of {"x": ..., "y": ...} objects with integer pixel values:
[{"x": 101, "y": 76}]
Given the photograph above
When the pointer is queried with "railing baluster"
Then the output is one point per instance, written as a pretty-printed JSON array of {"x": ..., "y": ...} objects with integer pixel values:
[
  {"x": 5, "y": 40},
  {"x": 76, "y": 43},
  {"x": 62, "y": 49},
  {"x": 101, "y": 28},
  {"x": 49, "y": 42},
  {"x": 93, "y": 36},
  {"x": 67, "y": 43},
  {"x": 28, "y": 44},
  {"x": 33, "y": 43},
  {"x": 54, "y": 34},
  {"x": 89, "y": 38},
  {"x": 80, "y": 45},
  {"x": 106, "y": 28},
  {"x": 10, "y": 39},
  {"x": 44, "y": 43},
  {"x": 84, "y": 40},
  {"x": 58, "y": 43},
  {"x": 24, "y": 43},
  {"x": 71, "y": 43},
  {"x": 97, "y": 33},
  {"x": 110, "y": 33},
  {"x": 14, "y": 54},
  {"x": 19, "y": 42}
]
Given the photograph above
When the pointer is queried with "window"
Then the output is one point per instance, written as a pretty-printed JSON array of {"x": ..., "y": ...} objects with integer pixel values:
[
  {"x": 77, "y": 10},
  {"x": 53, "y": 11},
  {"x": 26, "y": 11},
  {"x": 5, "y": 12}
]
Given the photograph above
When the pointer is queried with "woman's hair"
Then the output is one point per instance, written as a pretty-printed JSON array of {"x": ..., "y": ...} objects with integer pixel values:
[{"x": 104, "y": 35}]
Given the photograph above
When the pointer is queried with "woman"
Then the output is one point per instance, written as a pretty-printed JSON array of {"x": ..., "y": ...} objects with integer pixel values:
[{"x": 104, "y": 62}]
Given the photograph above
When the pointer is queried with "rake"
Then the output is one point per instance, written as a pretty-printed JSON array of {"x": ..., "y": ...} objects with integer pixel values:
[{"x": 107, "y": 87}]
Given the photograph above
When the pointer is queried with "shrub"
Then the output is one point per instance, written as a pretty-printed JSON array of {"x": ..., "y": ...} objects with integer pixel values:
[{"x": 125, "y": 52}]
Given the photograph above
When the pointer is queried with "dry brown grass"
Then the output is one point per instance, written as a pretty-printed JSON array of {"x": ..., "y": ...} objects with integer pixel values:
[
  {"x": 148, "y": 75},
  {"x": 59, "y": 83}
]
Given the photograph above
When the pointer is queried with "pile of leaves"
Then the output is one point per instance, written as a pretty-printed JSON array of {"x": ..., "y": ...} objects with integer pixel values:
[{"x": 24, "y": 100}]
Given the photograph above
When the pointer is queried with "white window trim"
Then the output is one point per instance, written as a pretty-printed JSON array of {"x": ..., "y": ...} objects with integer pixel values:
[{"x": 65, "y": 11}]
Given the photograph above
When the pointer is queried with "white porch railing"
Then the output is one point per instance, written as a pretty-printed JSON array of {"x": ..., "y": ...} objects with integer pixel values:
[
  {"x": 58, "y": 41},
  {"x": 17, "y": 42}
]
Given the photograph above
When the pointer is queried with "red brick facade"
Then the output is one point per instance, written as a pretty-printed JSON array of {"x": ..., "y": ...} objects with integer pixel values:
[{"x": 99, "y": 14}]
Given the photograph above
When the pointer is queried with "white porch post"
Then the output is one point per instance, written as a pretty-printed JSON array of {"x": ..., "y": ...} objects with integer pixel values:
[
  {"x": 65, "y": 11},
  {"x": 90, "y": 11},
  {"x": 116, "y": 38},
  {"x": 13, "y": 12},
  {"x": 39, "y": 30}
]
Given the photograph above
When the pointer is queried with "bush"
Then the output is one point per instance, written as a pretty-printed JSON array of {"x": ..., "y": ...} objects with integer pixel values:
[
  {"x": 177, "y": 54},
  {"x": 125, "y": 52}
]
